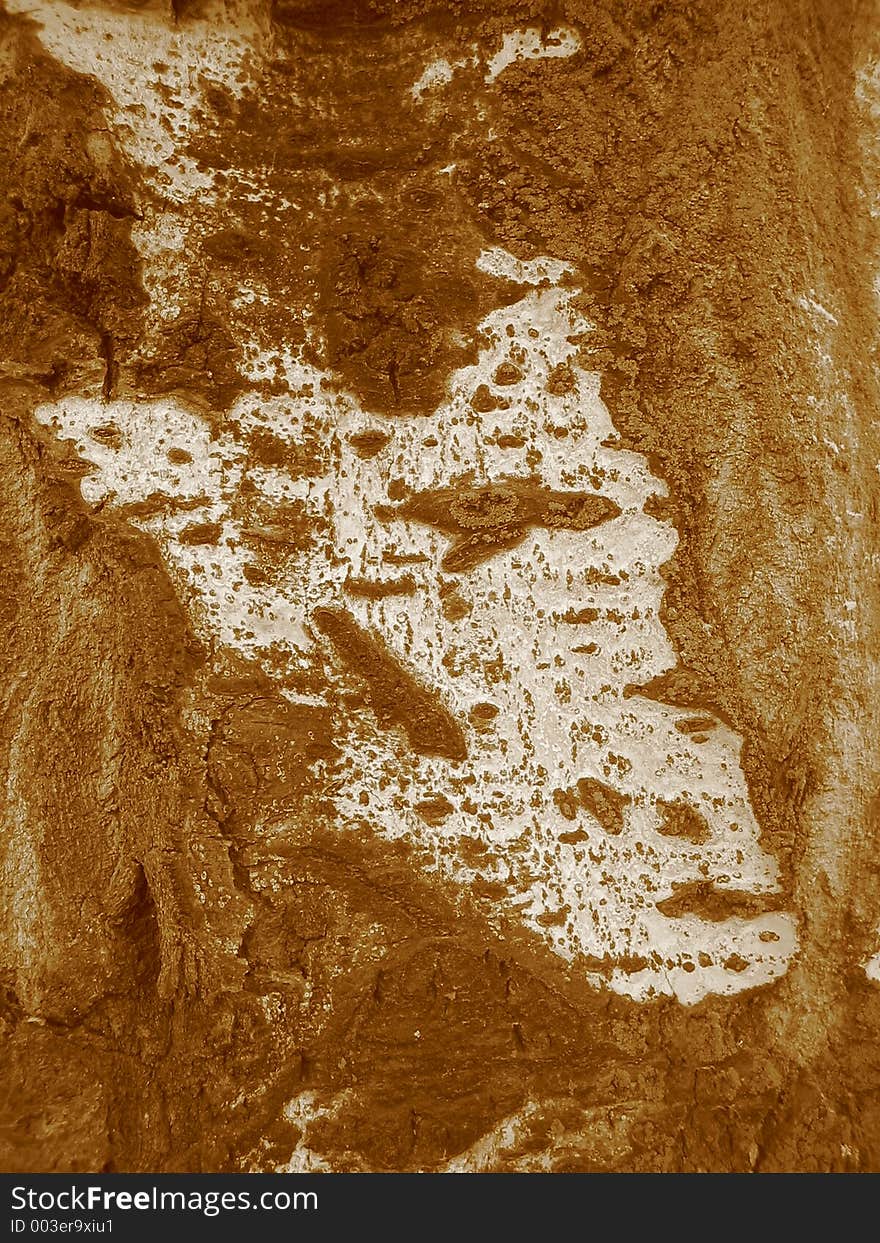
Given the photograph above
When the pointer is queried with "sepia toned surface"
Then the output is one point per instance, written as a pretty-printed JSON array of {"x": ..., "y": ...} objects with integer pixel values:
[{"x": 439, "y": 510}]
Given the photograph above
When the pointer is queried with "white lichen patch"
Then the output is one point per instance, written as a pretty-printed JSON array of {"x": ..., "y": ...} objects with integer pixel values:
[
  {"x": 814, "y": 307},
  {"x": 498, "y": 262},
  {"x": 529, "y": 44},
  {"x": 158, "y": 77},
  {"x": 599, "y": 1134},
  {"x": 302, "y": 1112},
  {"x": 516, "y": 45},
  {"x": 136, "y": 470},
  {"x": 155, "y": 73},
  {"x": 539, "y": 662},
  {"x": 438, "y": 72}
]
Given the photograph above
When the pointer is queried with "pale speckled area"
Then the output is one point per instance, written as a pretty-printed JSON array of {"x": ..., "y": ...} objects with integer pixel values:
[
  {"x": 562, "y": 711},
  {"x": 567, "y": 1131},
  {"x": 156, "y": 76},
  {"x": 528, "y": 44},
  {"x": 435, "y": 984},
  {"x": 524, "y": 44}
]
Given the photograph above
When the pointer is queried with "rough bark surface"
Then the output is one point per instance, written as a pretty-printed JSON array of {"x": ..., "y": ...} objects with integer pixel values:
[{"x": 258, "y": 228}]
